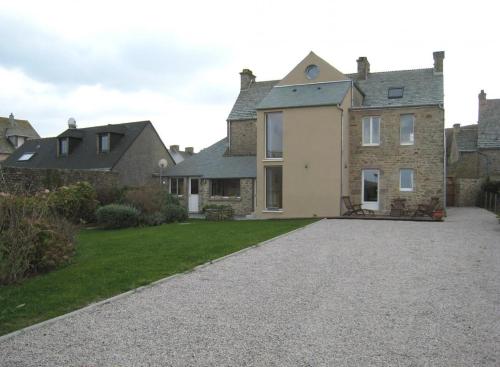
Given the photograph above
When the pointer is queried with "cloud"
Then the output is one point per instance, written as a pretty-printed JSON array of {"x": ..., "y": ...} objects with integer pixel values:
[{"x": 124, "y": 61}]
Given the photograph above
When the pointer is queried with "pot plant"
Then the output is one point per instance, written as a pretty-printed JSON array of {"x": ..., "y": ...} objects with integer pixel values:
[{"x": 438, "y": 214}]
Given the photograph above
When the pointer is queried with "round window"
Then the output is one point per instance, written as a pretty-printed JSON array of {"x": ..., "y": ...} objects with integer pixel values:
[{"x": 312, "y": 71}]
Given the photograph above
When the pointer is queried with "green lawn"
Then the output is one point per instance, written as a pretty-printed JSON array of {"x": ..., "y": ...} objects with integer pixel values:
[{"x": 111, "y": 262}]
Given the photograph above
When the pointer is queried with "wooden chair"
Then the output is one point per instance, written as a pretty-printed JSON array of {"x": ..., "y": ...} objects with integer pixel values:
[
  {"x": 355, "y": 209},
  {"x": 398, "y": 207},
  {"x": 427, "y": 209}
]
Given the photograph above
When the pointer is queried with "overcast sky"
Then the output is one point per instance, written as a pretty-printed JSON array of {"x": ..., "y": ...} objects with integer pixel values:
[{"x": 177, "y": 63}]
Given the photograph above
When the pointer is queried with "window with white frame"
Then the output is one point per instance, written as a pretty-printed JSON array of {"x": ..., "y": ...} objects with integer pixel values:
[
  {"x": 274, "y": 188},
  {"x": 406, "y": 131},
  {"x": 406, "y": 179},
  {"x": 177, "y": 186},
  {"x": 274, "y": 135},
  {"x": 371, "y": 130},
  {"x": 104, "y": 145}
]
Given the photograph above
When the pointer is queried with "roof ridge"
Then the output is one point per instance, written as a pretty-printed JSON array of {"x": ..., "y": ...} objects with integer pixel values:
[
  {"x": 393, "y": 71},
  {"x": 119, "y": 124}
]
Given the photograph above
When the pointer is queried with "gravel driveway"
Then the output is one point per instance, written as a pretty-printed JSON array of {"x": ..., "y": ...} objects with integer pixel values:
[{"x": 337, "y": 293}]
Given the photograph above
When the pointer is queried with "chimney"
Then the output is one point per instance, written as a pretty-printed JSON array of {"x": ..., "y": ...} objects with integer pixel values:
[
  {"x": 363, "y": 68},
  {"x": 12, "y": 122},
  {"x": 438, "y": 62},
  {"x": 189, "y": 150},
  {"x": 174, "y": 148},
  {"x": 71, "y": 123},
  {"x": 482, "y": 103},
  {"x": 247, "y": 78},
  {"x": 456, "y": 128}
]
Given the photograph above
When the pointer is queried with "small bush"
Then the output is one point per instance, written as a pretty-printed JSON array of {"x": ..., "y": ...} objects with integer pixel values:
[
  {"x": 150, "y": 199},
  {"x": 110, "y": 195},
  {"x": 32, "y": 239},
  {"x": 174, "y": 213},
  {"x": 77, "y": 203},
  {"x": 117, "y": 216},
  {"x": 154, "y": 219}
]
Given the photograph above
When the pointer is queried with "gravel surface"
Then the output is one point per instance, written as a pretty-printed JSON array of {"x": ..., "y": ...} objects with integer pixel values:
[{"x": 338, "y": 293}]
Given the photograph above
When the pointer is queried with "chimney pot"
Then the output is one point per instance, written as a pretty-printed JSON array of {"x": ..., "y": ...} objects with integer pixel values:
[
  {"x": 11, "y": 119},
  {"x": 482, "y": 103},
  {"x": 247, "y": 78},
  {"x": 456, "y": 126},
  {"x": 363, "y": 67},
  {"x": 189, "y": 150},
  {"x": 438, "y": 62},
  {"x": 71, "y": 123},
  {"x": 174, "y": 147}
]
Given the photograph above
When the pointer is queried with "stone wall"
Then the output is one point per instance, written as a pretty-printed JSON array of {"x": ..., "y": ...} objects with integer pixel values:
[
  {"x": 467, "y": 166},
  {"x": 490, "y": 163},
  {"x": 425, "y": 157},
  {"x": 243, "y": 137},
  {"x": 35, "y": 179},
  {"x": 467, "y": 191},
  {"x": 242, "y": 205}
]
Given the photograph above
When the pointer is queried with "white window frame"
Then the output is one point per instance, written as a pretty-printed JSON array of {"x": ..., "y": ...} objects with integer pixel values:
[
  {"x": 370, "y": 120},
  {"x": 412, "y": 172},
  {"x": 170, "y": 187},
  {"x": 412, "y": 142},
  {"x": 59, "y": 146}
]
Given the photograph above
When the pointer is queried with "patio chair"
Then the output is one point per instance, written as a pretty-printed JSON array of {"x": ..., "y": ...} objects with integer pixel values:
[
  {"x": 398, "y": 207},
  {"x": 355, "y": 209},
  {"x": 427, "y": 209}
]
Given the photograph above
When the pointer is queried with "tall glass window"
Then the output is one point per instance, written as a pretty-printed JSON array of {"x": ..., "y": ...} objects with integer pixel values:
[
  {"x": 274, "y": 135},
  {"x": 371, "y": 130},
  {"x": 104, "y": 143},
  {"x": 407, "y": 129},
  {"x": 63, "y": 146},
  {"x": 274, "y": 188}
]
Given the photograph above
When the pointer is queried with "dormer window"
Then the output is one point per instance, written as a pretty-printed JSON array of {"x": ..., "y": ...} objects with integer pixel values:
[
  {"x": 63, "y": 147},
  {"x": 104, "y": 145},
  {"x": 17, "y": 141},
  {"x": 395, "y": 92}
]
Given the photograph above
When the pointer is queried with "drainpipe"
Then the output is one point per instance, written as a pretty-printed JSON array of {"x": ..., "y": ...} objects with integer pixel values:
[{"x": 341, "y": 153}]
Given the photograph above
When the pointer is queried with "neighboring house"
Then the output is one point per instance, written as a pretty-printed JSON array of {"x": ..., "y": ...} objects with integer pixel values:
[
  {"x": 133, "y": 150},
  {"x": 474, "y": 153},
  {"x": 13, "y": 134},
  {"x": 319, "y": 134},
  {"x": 179, "y": 155}
]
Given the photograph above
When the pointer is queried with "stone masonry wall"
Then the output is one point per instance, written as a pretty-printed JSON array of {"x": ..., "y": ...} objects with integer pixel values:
[
  {"x": 425, "y": 157},
  {"x": 242, "y": 205},
  {"x": 243, "y": 137},
  {"x": 467, "y": 191},
  {"x": 32, "y": 180}
]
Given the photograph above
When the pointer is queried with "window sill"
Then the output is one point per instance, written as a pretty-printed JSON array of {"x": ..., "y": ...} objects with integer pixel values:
[
  {"x": 370, "y": 145},
  {"x": 272, "y": 211},
  {"x": 405, "y": 190},
  {"x": 407, "y": 144},
  {"x": 272, "y": 160},
  {"x": 224, "y": 198}
]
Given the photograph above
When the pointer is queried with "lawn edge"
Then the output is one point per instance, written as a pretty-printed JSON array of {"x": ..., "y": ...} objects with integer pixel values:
[{"x": 26, "y": 329}]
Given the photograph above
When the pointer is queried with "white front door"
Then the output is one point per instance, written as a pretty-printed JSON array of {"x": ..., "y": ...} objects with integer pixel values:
[
  {"x": 193, "y": 195},
  {"x": 369, "y": 190}
]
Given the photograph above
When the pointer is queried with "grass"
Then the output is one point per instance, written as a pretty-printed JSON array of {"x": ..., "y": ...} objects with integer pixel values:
[{"x": 111, "y": 262}]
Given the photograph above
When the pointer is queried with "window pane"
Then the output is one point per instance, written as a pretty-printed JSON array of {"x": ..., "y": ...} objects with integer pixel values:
[
  {"x": 104, "y": 143},
  {"x": 370, "y": 185},
  {"x": 194, "y": 186},
  {"x": 406, "y": 179},
  {"x": 226, "y": 187},
  {"x": 375, "y": 130},
  {"x": 395, "y": 93},
  {"x": 173, "y": 186},
  {"x": 274, "y": 135},
  {"x": 63, "y": 146},
  {"x": 406, "y": 129},
  {"x": 274, "y": 187},
  {"x": 180, "y": 186},
  {"x": 366, "y": 130}
]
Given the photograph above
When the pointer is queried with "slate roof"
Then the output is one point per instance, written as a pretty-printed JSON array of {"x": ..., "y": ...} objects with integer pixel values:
[
  {"x": 244, "y": 107},
  {"x": 307, "y": 95},
  {"x": 84, "y": 154},
  {"x": 178, "y": 155},
  {"x": 467, "y": 138},
  {"x": 212, "y": 163},
  {"x": 20, "y": 128},
  {"x": 421, "y": 87},
  {"x": 489, "y": 125}
]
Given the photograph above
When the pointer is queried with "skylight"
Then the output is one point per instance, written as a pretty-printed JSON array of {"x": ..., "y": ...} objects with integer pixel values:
[
  {"x": 395, "y": 92},
  {"x": 26, "y": 157}
]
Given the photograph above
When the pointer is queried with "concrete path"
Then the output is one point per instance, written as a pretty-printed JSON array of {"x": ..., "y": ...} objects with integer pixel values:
[{"x": 338, "y": 293}]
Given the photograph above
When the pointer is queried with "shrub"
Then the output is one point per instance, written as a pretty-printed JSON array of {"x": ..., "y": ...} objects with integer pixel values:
[
  {"x": 32, "y": 240},
  {"x": 77, "y": 203},
  {"x": 110, "y": 194},
  {"x": 150, "y": 199},
  {"x": 154, "y": 219},
  {"x": 117, "y": 216},
  {"x": 174, "y": 213}
]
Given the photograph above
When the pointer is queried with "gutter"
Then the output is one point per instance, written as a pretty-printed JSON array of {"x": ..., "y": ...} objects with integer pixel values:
[{"x": 438, "y": 105}]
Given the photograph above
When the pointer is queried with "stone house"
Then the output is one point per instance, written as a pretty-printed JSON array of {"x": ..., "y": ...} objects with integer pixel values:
[
  {"x": 318, "y": 134},
  {"x": 13, "y": 134},
  {"x": 473, "y": 153},
  {"x": 131, "y": 150}
]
